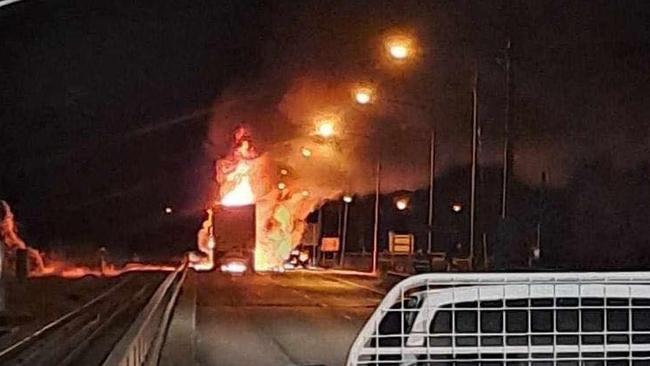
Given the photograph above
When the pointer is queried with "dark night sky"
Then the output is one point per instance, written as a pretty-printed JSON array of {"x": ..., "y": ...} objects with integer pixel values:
[{"x": 88, "y": 86}]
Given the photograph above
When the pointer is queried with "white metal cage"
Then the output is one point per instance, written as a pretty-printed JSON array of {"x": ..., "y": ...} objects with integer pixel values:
[{"x": 512, "y": 319}]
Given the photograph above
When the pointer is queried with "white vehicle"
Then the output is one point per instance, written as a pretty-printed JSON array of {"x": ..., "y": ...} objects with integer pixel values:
[{"x": 510, "y": 319}]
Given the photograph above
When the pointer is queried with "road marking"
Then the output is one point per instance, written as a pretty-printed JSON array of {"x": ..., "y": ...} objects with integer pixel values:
[
  {"x": 346, "y": 316},
  {"x": 323, "y": 305},
  {"x": 306, "y": 296},
  {"x": 380, "y": 292}
]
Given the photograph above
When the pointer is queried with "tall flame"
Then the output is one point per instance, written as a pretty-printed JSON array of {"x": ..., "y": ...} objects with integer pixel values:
[
  {"x": 234, "y": 172},
  {"x": 242, "y": 193},
  {"x": 244, "y": 178}
]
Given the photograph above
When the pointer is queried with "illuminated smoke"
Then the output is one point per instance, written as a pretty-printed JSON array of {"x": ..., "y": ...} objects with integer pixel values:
[{"x": 296, "y": 164}]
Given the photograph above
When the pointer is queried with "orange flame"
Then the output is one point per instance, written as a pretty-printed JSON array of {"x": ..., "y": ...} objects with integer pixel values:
[
  {"x": 234, "y": 172},
  {"x": 281, "y": 206},
  {"x": 42, "y": 266},
  {"x": 242, "y": 193}
]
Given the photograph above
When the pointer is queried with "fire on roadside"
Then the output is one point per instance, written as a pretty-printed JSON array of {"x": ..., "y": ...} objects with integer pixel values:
[{"x": 42, "y": 266}]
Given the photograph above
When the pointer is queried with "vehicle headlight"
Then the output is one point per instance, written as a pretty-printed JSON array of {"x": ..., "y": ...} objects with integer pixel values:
[{"x": 233, "y": 267}]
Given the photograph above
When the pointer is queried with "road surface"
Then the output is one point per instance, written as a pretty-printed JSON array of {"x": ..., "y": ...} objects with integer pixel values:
[{"x": 280, "y": 319}]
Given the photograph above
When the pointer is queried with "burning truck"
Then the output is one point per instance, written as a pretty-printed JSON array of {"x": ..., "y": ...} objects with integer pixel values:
[
  {"x": 233, "y": 238},
  {"x": 257, "y": 219}
]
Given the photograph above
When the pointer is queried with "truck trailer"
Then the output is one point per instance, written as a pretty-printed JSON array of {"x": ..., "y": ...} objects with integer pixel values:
[{"x": 233, "y": 231}]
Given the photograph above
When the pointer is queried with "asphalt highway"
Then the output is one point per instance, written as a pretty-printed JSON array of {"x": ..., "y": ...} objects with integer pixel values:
[{"x": 270, "y": 319}]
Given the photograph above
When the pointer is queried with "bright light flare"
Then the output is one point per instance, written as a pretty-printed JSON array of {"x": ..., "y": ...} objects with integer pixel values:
[
  {"x": 398, "y": 51},
  {"x": 399, "y": 48},
  {"x": 402, "y": 204},
  {"x": 234, "y": 267},
  {"x": 347, "y": 199},
  {"x": 325, "y": 128},
  {"x": 305, "y": 152},
  {"x": 242, "y": 194},
  {"x": 168, "y": 210},
  {"x": 456, "y": 207},
  {"x": 282, "y": 186},
  {"x": 363, "y": 95}
]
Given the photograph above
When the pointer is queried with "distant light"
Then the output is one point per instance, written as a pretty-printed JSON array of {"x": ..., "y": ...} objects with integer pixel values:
[
  {"x": 306, "y": 152},
  {"x": 399, "y": 47},
  {"x": 347, "y": 199},
  {"x": 402, "y": 204},
  {"x": 282, "y": 186},
  {"x": 305, "y": 193},
  {"x": 456, "y": 207},
  {"x": 168, "y": 210},
  {"x": 325, "y": 128},
  {"x": 284, "y": 172},
  {"x": 363, "y": 95},
  {"x": 399, "y": 52}
]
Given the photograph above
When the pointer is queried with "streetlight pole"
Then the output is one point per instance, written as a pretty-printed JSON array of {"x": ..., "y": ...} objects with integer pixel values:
[
  {"x": 432, "y": 173},
  {"x": 344, "y": 230},
  {"x": 317, "y": 232},
  {"x": 506, "y": 126},
  {"x": 474, "y": 158},
  {"x": 375, "y": 238}
]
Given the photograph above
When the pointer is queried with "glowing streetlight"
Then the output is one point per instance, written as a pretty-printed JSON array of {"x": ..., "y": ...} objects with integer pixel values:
[
  {"x": 305, "y": 193},
  {"x": 282, "y": 186},
  {"x": 168, "y": 210},
  {"x": 399, "y": 48},
  {"x": 325, "y": 128},
  {"x": 305, "y": 152},
  {"x": 347, "y": 199},
  {"x": 363, "y": 95},
  {"x": 284, "y": 172},
  {"x": 402, "y": 204},
  {"x": 399, "y": 51},
  {"x": 456, "y": 207}
]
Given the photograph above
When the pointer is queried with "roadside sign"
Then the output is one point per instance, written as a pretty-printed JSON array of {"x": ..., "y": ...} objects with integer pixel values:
[
  {"x": 329, "y": 244},
  {"x": 401, "y": 244}
]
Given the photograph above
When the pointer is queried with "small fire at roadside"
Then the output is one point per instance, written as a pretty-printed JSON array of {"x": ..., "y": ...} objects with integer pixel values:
[{"x": 42, "y": 266}]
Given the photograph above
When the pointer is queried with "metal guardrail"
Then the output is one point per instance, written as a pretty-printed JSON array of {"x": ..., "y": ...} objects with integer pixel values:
[
  {"x": 142, "y": 342},
  {"x": 27, "y": 350}
]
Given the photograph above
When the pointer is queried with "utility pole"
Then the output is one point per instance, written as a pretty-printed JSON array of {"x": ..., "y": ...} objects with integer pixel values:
[
  {"x": 432, "y": 174},
  {"x": 375, "y": 238},
  {"x": 537, "y": 250},
  {"x": 317, "y": 234},
  {"x": 474, "y": 163},
  {"x": 506, "y": 127},
  {"x": 344, "y": 232}
]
